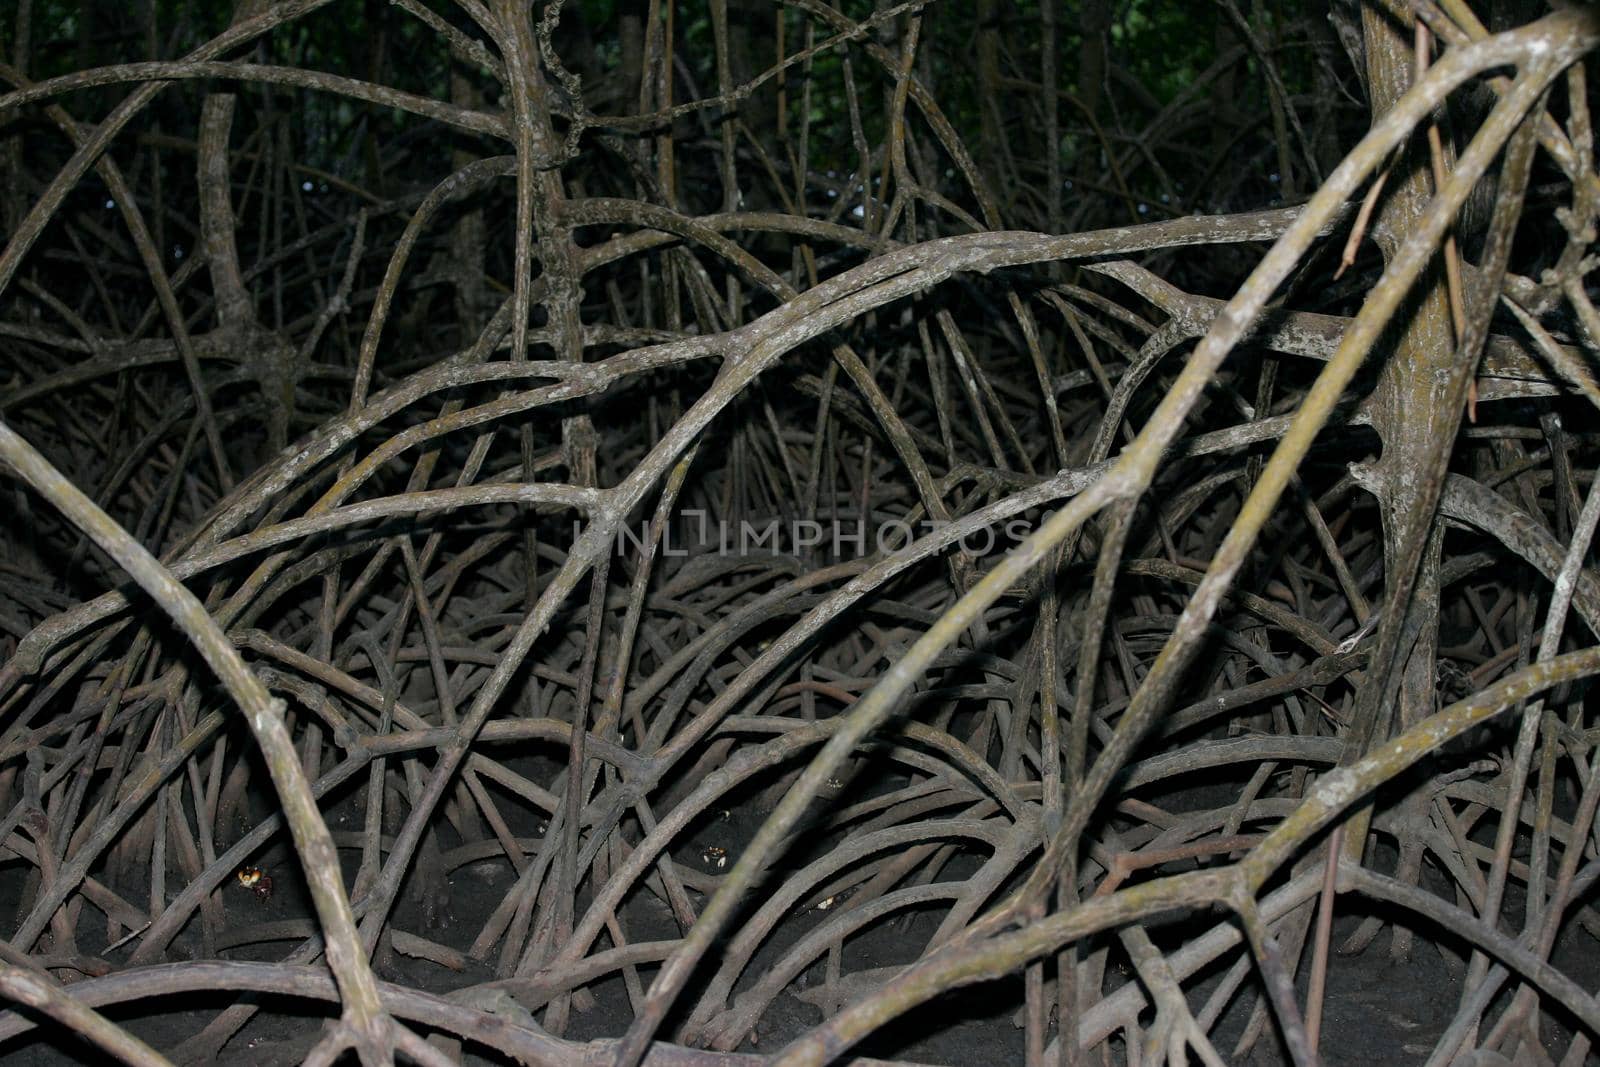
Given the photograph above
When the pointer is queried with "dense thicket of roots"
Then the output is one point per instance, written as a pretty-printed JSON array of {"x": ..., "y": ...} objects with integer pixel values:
[{"x": 525, "y": 526}]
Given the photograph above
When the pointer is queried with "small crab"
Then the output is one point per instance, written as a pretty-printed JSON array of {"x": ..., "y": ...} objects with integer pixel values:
[
  {"x": 834, "y": 900},
  {"x": 715, "y": 856},
  {"x": 256, "y": 880}
]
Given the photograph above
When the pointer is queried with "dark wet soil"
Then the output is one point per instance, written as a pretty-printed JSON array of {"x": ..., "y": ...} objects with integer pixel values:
[{"x": 1379, "y": 1010}]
